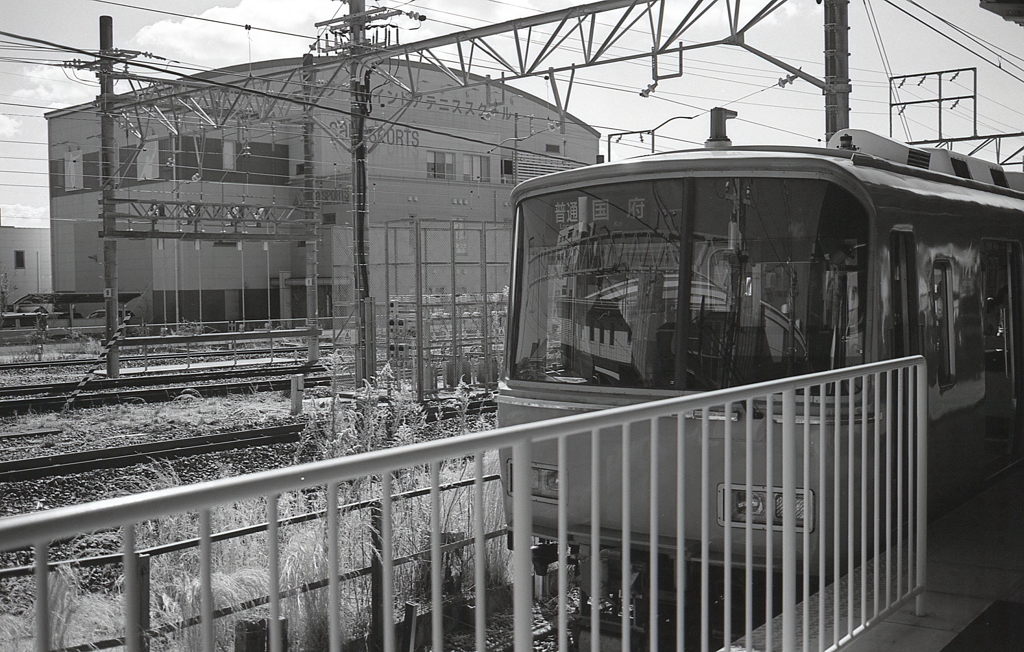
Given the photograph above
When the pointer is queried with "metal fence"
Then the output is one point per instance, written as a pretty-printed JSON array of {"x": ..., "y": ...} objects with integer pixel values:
[
  {"x": 439, "y": 290},
  {"x": 817, "y": 483}
]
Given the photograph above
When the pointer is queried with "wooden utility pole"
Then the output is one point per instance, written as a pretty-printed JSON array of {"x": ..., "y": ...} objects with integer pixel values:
[{"x": 107, "y": 156}]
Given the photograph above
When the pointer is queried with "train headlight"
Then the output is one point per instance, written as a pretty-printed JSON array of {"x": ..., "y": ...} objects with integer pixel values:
[
  {"x": 734, "y": 506},
  {"x": 544, "y": 483}
]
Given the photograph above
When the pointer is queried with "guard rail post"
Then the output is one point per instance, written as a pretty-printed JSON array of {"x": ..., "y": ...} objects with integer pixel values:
[
  {"x": 376, "y": 642},
  {"x": 136, "y": 598},
  {"x": 922, "y": 484},
  {"x": 297, "y": 390}
]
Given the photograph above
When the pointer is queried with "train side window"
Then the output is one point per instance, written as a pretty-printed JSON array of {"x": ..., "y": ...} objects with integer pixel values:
[{"x": 942, "y": 308}]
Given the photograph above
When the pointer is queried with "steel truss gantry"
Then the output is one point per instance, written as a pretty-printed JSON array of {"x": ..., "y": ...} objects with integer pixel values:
[{"x": 554, "y": 44}]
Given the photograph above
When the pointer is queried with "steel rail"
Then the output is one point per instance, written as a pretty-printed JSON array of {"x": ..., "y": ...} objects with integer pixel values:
[
  {"x": 215, "y": 353},
  {"x": 130, "y": 381},
  {"x": 120, "y": 456},
  {"x": 54, "y": 403}
]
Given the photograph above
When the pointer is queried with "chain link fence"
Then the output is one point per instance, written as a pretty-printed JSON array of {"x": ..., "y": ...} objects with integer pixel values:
[{"x": 440, "y": 295}]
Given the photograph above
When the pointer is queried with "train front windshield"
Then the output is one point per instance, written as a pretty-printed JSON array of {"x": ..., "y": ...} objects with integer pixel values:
[{"x": 772, "y": 274}]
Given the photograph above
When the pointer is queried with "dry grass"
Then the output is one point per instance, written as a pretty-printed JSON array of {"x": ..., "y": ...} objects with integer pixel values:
[
  {"x": 239, "y": 565},
  {"x": 123, "y": 424}
]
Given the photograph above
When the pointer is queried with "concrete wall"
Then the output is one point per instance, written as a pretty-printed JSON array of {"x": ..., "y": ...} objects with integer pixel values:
[{"x": 29, "y": 272}]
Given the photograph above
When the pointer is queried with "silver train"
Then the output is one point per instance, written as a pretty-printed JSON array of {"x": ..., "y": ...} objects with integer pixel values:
[{"x": 697, "y": 270}]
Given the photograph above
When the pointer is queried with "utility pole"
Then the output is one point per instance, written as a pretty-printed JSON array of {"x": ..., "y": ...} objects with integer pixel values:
[
  {"x": 107, "y": 153},
  {"x": 360, "y": 107},
  {"x": 837, "y": 66},
  {"x": 309, "y": 200}
]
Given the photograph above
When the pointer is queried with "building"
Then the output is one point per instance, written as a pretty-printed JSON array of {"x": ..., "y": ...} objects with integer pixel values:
[
  {"x": 24, "y": 263},
  {"x": 447, "y": 157}
]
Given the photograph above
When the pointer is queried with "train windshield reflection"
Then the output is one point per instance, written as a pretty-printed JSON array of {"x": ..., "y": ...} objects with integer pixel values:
[{"x": 773, "y": 270}]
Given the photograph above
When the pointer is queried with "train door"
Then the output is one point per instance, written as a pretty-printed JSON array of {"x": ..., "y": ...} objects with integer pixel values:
[
  {"x": 903, "y": 290},
  {"x": 1001, "y": 294}
]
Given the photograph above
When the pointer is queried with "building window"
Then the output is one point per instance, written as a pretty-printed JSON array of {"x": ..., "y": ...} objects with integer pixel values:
[
  {"x": 551, "y": 148},
  {"x": 507, "y": 170},
  {"x": 476, "y": 167},
  {"x": 147, "y": 164},
  {"x": 73, "y": 170},
  {"x": 19, "y": 259},
  {"x": 227, "y": 155},
  {"x": 440, "y": 165},
  {"x": 330, "y": 218}
]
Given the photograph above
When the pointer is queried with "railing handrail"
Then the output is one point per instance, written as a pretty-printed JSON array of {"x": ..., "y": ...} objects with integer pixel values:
[
  {"x": 41, "y": 527},
  {"x": 194, "y": 542}
]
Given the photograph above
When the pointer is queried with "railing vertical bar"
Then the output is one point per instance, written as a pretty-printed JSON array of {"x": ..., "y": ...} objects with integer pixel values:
[
  {"x": 865, "y": 382},
  {"x": 333, "y": 569},
  {"x": 748, "y": 529},
  {"x": 727, "y": 552},
  {"x": 563, "y": 549},
  {"x": 911, "y": 404},
  {"x": 837, "y": 513},
  {"x": 274, "y": 575},
  {"x": 788, "y": 519},
  {"x": 626, "y": 570},
  {"x": 808, "y": 519},
  {"x": 769, "y": 512},
  {"x": 851, "y": 475},
  {"x": 890, "y": 397},
  {"x": 480, "y": 551},
  {"x": 388, "y": 562},
  {"x": 705, "y": 530},
  {"x": 522, "y": 519},
  {"x": 132, "y": 598},
  {"x": 878, "y": 481},
  {"x": 655, "y": 514},
  {"x": 922, "y": 484},
  {"x": 680, "y": 560},
  {"x": 206, "y": 581},
  {"x": 595, "y": 541},
  {"x": 436, "y": 563},
  {"x": 42, "y": 577},
  {"x": 901, "y": 413},
  {"x": 823, "y": 448}
]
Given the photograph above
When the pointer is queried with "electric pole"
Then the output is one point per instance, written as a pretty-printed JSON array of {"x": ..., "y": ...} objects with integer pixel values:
[
  {"x": 360, "y": 107},
  {"x": 837, "y": 66},
  {"x": 309, "y": 200},
  {"x": 107, "y": 154}
]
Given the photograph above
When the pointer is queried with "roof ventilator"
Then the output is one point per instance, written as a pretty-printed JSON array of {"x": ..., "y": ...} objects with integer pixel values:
[{"x": 719, "y": 138}]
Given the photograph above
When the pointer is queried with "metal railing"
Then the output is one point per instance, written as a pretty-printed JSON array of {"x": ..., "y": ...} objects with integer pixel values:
[{"x": 843, "y": 525}]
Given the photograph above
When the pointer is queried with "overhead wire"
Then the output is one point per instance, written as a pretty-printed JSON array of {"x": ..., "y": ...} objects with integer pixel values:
[
  {"x": 204, "y": 19},
  {"x": 953, "y": 40},
  {"x": 876, "y": 32}
]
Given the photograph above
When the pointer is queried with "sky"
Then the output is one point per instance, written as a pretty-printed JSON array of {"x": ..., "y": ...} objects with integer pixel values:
[{"x": 915, "y": 37}]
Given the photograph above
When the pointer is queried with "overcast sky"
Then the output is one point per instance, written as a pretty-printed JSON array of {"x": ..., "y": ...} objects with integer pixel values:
[{"x": 606, "y": 97}]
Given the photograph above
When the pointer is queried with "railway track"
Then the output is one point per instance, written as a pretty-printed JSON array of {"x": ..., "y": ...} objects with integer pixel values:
[
  {"x": 49, "y": 397},
  {"x": 129, "y": 381},
  {"x": 121, "y": 456},
  {"x": 156, "y": 357}
]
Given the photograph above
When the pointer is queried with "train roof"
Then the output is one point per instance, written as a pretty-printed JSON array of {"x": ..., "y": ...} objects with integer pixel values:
[{"x": 867, "y": 167}]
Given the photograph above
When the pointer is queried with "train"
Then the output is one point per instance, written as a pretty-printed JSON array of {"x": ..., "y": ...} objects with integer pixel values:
[{"x": 696, "y": 270}]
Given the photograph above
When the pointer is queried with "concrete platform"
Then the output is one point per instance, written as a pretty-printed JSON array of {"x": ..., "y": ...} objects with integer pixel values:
[{"x": 975, "y": 584}]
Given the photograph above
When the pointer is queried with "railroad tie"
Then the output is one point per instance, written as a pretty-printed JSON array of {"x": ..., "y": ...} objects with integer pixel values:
[{"x": 100, "y": 360}]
